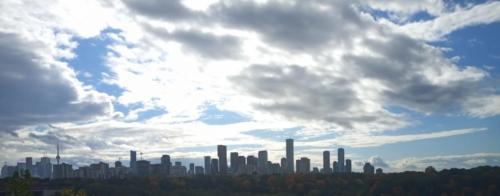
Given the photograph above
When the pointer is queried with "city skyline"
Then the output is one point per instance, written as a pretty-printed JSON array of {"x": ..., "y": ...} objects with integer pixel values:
[
  {"x": 399, "y": 84},
  {"x": 239, "y": 165}
]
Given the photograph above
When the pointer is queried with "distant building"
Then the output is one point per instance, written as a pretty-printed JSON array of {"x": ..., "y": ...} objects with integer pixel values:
[
  {"x": 8, "y": 171},
  {"x": 222, "y": 154},
  {"x": 44, "y": 168},
  {"x": 133, "y": 160},
  {"x": 99, "y": 170},
  {"x": 233, "y": 159},
  {"x": 262, "y": 166},
  {"x": 275, "y": 168},
  {"x": 29, "y": 165},
  {"x": 215, "y": 166},
  {"x": 315, "y": 170},
  {"x": 326, "y": 162},
  {"x": 303, "y": 165},
  {"x": 208, "y": 166},
  {"x": 63, "y": 171},
  {"x": 335, "y": 167},
  {"x": 368, "y": 169},
  {"x": 198, "y": 170},
  {"x": 348, "y": 165},
  {"x": 379, "y": 171},
  {"x": 178, "y": 169},
  {"x": 341, "y": 163},
  {"x": 166, "y": 165},
  {"x": 191, "y": 169},
  {"x": 289, "y": 156},
  {"x": 283, "y": 165},
  {"x": 251, "y": 160},
  {"x": 142, "y": 168}
]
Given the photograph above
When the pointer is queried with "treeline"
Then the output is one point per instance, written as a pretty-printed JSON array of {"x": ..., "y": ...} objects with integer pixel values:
[{"x": 476, "y": 181}]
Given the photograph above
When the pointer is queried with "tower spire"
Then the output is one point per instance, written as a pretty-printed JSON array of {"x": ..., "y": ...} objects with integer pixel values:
[{"x": 58, "y": 157}]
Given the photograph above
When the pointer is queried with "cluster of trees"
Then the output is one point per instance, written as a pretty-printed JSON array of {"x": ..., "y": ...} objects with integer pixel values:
[{"x": 476, "y": 181}]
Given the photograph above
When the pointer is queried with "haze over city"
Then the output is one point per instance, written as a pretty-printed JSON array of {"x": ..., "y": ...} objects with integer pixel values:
[{"x": 401, "y": 85}]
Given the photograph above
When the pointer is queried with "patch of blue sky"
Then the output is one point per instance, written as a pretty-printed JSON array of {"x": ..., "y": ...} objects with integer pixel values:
[
  {"x": 213, "y": 116},
  {"x": 475, "y": 46},
  {"x": 275, "y": 135},
  {"x": 90, "y": 62},
  {"x": 148, "y": 114}
]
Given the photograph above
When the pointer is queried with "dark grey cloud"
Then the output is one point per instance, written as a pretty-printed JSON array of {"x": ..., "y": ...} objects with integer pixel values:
[
  {"x": 407, "y": 67},
  {"x": 171, "y": 10},
  {"x": 294, "y": 25},
  {"x": 34, "y": 92},
  {"x": 205, "y": 44},
  {"x": 298, "y": 92}
]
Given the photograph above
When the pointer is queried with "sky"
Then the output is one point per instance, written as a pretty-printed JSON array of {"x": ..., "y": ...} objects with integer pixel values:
[{"x": 401, "y": 84}]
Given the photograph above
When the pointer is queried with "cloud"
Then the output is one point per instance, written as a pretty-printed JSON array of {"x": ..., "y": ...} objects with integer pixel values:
[
  {"x": 293, "y": 26},
  {"x": 35, "y": 91},
  {"x": 172, "y": 10},
  {"x": 447, "y": 161},
  {"x": 377, "y": 161},
  {"x": 441, "y": 26},
  {"x": 205, "y": 44}
]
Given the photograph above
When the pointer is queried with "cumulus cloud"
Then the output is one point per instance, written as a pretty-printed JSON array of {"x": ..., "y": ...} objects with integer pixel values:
[
  {"x": 172, "y": 10},
  {"x": 447, "y": 161},
  {"x": 35, "y": 91},
  {"x": 377, "y": 161}
]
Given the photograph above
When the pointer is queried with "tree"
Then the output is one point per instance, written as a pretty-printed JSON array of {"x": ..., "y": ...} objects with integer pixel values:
[{"x": 19, "y": 184}]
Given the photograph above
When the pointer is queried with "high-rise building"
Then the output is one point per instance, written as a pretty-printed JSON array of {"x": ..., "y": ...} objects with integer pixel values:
[
  {"x": 133, "y": 160},
  {"x": 379, "y": 171},
  {"x": 241, "y": 162},
  {"x": 252, "y": 161},
  {"x": 341, "y": 163},
  {"x": 165, "y": 164},
  {"x": 142, "y": 168},
  {"x": 222, "y": 154},
  {"x": 233, "y": 159},
  {"x": 44, "y": 169},
  {"x": 289, "y": 156},
  {"x": 368, "y": 168},
  {"x": 283, "y": 165},
  {"x": 29, "y": 165},
  {"x": 348, "y": 165},
  {"x": 303, "y": 165},
  {"x": 326, "y": 162},
  {"x": 262, "y": 166},
  {"x": 118, "y": 164},
  {"x": 335, "y": 167},
  {"x": 215, "y": 166},
  {"x": 191, "y": 169},
  {"x": 208, "y": 166},
  {"x": 63, "y": 171},
  {"x": 198, "y": 170}
]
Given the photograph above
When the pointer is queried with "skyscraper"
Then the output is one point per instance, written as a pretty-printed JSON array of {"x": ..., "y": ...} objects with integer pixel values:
[
  {"x": 29, "y": 164},
  {"x": 335, "y": 167},
  {"x": 191, "y": 169},
  {"x": 208, "y": 167},
  {"x": 303, "y": 165},
  {"x": 166, "y": 164},
  {"x": 215, "y": 166},
  {"x": 133, "y": 160},
  {"x": 348, "y": 165},
  {"x": 222, "y": 154},
  {"x": 326, "y": 162},
  {"x": 233, "y": 159},
  {"x": 341, "y": 163},
  {"x": 283, "y": 165},
  {"x": 289, "y": 156},
  {"x": 262, "y": 162}
]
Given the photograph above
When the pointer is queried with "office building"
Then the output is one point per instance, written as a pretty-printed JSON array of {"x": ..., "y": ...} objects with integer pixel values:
[
  {"x": 326, "y": 162},
  {"x": 341, "y": 163},
  {"x": 368, "y": 168},
  {"x": 63, "y": 171},
  {"x": 222, "y": 154},
  {"x": 348, "y": 166},
  {"x": 303, "y": 165},
  {"x": 262, "y": 166},
  {"x": 198, "y": 170},
  {"x": 233, "y": 159},
  {"x": 166, "y": 165},
  {"x": 335, "y": 167},
  {"x": 289, "y": 156},
  {"x": 215, "y": 166},
  {"x": 133, "y": 160},
  {"x": 142, "y": 168},
  {"x": 29, "y": 165},
  {"x": 208, "y": 166}
]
